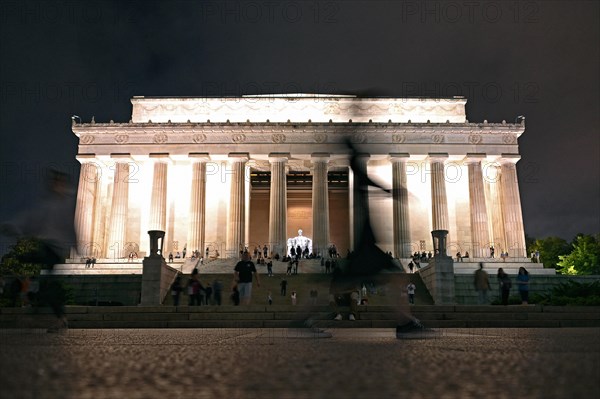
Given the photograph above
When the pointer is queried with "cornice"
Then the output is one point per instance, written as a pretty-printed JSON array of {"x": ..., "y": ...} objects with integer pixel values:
[{"x": 473, "y": 134}]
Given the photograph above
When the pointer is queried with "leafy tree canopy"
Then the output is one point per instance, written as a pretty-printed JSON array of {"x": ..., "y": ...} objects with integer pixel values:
[
  {"x": 584, "y": 257},
  {"x": 21, "y": 260},
  {"x": 550, "y": 249}
]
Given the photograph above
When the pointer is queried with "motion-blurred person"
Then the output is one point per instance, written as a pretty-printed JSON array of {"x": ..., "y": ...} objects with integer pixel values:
[
  {"x": 523, "y": 285},
  {"x": 368, "y": 261},
  {"x": 51, "y": 223},
  {"x": 504, "y": 284},
  {"x": 217, "y": 291},
  {"x": 176, "y": 289},
  {"x": 410, "y": 290},
  {"x": 482, "y": 284}
]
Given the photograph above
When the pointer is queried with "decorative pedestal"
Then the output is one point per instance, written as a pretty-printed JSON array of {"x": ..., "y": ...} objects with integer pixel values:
[
  {"x": 155, "y": 273},
  {"x": 151, "y": 281},
  {"x": 438, "y": 276}
]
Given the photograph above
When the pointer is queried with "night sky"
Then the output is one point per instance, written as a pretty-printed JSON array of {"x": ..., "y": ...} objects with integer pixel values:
[{"x": 538, "y": 59}]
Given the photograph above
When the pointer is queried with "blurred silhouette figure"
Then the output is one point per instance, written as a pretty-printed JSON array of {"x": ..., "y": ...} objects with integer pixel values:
[
  {"x": 482, "y": 284},
  {"x": 51, "y": 223},
  {"x": 367, "y": 261}
]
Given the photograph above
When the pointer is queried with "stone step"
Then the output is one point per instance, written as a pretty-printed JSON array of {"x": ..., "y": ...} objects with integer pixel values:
[
  {"x": 527, "y": 264},
  {"x": 95, "y": 271},
  {"x": 80, "y": 266},
  {"x": 258, "y": 316},
  {"x": 508, "y": 270},
  {"x": 98, "y": 269}
]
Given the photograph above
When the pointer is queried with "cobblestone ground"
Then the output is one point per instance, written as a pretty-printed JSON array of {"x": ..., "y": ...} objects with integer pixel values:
[{"x": 279, "y": 363}]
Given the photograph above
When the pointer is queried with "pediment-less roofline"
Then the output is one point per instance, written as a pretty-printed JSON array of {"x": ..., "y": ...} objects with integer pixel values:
[{"x": 297, "y": 108}]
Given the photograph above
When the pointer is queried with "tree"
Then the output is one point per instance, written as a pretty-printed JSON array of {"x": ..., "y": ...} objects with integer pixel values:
[
  {"x": 584, "y": 258},
  {"x": 550, "y": 249},
  {"x": 21, "y": 260},
  {"x": 530, "y": 244}
]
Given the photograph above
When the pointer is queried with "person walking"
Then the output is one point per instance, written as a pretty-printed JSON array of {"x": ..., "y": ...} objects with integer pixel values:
[
  {"x": 340, "y": 298},
  {"x": 523, "y": 285},
  {"x": 505, "y": 285},
  {"x": 176, "y": 289},
  {"x": 208, "y": 291},
  {"x": 217, "y": 291},
  {"x": 410, "y": 289},
  {"x": 51, "y": 223},
  {"x": 194, "y": 288},
  {"x": 283, "y": 285},
  {"x": 243, "y": 273},
  {"x": 235, "y": 295},
  {"x": 482, "y": 284},
  {"x": 294, "y": 298}
]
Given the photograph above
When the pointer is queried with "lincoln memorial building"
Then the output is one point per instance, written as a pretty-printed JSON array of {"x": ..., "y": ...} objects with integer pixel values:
[{"x": 236, "y": 172}]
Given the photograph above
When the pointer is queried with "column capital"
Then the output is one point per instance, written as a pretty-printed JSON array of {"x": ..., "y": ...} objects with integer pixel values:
[
  {"x": 399, "y": 157},
  {"x": 121, "y": 156},
  {"x": 86, "y": 158},
  {"x": 509, "y": 159},
  {"x": 199, "y": 156},
  {"x": 161, "y": 157},
  {"x": 473, "y": 157},
  {"x": 279, "y": 157},
  {"x": 320, "y": 157},
  {"x": 238, "y": 156},
  {"x": 437, "y": 156}
]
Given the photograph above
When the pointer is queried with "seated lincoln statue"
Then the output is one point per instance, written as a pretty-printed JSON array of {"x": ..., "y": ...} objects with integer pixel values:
[{"x": 299, "y": 241}]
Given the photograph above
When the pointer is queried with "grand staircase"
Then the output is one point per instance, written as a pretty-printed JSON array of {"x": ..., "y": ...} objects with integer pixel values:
[
  {"x": 380, "y": 313},
  {"x": 286, "y": 316}
]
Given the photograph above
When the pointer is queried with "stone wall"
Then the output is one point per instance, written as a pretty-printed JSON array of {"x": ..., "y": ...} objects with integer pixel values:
[
  {"x": 438, "y": 277},
  {"x": 115, "y": 289},
  {"x": 466, "y": 294}
]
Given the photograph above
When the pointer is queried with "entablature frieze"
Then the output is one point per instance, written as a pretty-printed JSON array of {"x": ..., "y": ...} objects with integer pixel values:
[
  {"x": 471, "y": 134},
  {"x": 301, "y": 162}
]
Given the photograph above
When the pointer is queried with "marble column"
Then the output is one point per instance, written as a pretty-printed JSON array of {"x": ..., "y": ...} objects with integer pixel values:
[
  {"x": 511, "y": 207},
  {"x": 197, "y": 214},
  {"x": 359, "y": 201},
  {"x": 351, "y": 209},
  {"x": 320, "y": 203},
  {"x": 492, "y": 178},
  {"x": 439, "y": 201},
  {"x": 87, "y": 190},
  {"x": 237, "y": 205},
  {"x": 402, "y": 247},
  {"x": 117, "y": 225},
  {"x": 479, "y": 218},
  {"x": 278, "y": 204},
  {"x": 158, "y": 201}
]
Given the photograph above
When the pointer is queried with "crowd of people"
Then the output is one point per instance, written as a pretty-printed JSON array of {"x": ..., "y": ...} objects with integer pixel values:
[
  {"x": 482, "y": 285},
  {"x": 245, "y": 273},
  {"x": 198, "y": 294}
]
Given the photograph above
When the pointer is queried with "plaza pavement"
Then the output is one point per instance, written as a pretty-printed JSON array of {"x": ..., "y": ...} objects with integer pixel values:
[{"x": 274, "y": 363}]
